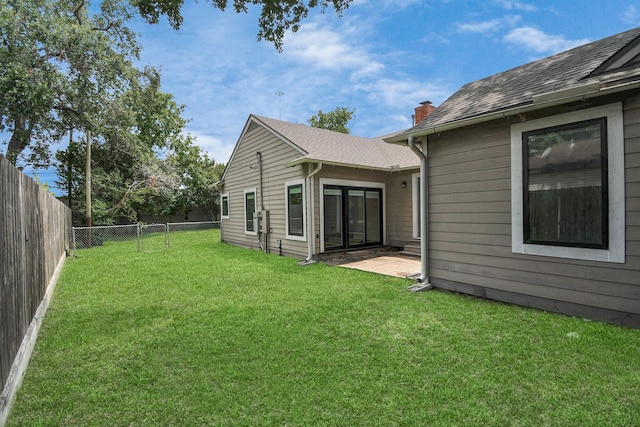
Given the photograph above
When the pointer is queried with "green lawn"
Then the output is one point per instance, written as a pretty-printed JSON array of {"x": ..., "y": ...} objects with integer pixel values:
[{"x": 210, "y": 334}]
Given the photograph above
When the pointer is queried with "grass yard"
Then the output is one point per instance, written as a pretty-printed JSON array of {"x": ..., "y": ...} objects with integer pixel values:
[{"x": 210, "y": 334}]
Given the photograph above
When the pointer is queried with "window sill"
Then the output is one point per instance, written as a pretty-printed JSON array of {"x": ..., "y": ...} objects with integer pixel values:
[
  {"x": 297, "y": 238},
  {"x": 583, "y": 254}
]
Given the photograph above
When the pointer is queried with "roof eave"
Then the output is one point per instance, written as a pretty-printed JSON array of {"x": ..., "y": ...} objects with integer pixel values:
[
  {"x": 390, "y": 168},
  {"x": 543, "y": 100}
]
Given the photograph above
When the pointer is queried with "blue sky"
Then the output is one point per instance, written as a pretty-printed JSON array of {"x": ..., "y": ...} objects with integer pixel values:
[{"x": 381, "y": 58}]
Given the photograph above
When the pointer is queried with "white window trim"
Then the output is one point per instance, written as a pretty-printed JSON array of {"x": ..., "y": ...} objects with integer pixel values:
[
  {"x": 348, "y": 183},
  {"x": 288, "y": 184},
  {"x": 222, "y": 215},
  {"x": 415, "y": 204},
  {"x": 255, "y": 219},
  {"x": 615, "y": 151}
]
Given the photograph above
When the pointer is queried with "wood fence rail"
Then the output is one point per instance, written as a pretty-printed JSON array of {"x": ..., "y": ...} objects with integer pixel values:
[{"x": 34, "y": 229}]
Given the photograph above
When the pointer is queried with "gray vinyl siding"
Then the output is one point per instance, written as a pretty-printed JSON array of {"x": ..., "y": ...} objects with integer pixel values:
[
  {"x": 243, "y": 173},
  {"x": 400, "y": 208},
  {"x": 352, "y": 174},
  {"x": 470, "y": 230}
]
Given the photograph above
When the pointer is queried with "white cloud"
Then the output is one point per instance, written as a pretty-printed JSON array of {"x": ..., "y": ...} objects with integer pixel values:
[
  {"x": 631, "y": 15},
  {"x": 214, "y": 147},
  {"x": 395, "y": 92},
  {"x": 540, "y": 42},
  {"x": 479, "y": 27},
  {"x": 326, "y": 48},
  {"x": 488, "y": 26},
  {"x": 516, "y": 5}
]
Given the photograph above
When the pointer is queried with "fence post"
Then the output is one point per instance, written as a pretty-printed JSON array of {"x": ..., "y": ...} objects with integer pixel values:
[
  {"x": 167, "y": 232},
  {"x": 138, "y": 235},
  {"x": 75, "y": 251}
]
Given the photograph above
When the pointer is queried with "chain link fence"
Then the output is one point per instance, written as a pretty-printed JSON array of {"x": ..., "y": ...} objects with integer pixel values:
[{"x": 140, "y": 237}]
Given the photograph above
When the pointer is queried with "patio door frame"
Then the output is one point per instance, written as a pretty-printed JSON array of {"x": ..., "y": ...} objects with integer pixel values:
[{"x": 347, "y": 185}]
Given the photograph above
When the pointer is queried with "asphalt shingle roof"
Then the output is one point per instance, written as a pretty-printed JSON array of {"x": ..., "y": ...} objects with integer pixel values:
[
  {"x": 321, "y": 145},
  {"x": 517, "y": 87}
]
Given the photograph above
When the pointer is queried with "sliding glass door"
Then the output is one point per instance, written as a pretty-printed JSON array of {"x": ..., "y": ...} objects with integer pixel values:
[{"x": 352, "y": 217}]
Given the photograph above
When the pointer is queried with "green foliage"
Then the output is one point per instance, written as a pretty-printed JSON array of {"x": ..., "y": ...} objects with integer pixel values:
[
  {"x": 133, "y": 183},
  {"x": 43, "y": 185},
  {"x": 198, "y": 175},
  {"x": 69, "y": 65},
  {"x": 276, "y": 17},
  {"x": 130, "y": 167},
  {"x": 100, "y": 213},
  {"x": 211, "y": 334},
  {"x": 335, "y": 120},
  {"x": 65, "y": 67}
]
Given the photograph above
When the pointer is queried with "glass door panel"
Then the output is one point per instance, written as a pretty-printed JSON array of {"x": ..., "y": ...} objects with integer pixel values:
[
  {"x": 333, "y": 232},
  {"x": 374, "y": 215},
  {"x": 356, "y": 217}
]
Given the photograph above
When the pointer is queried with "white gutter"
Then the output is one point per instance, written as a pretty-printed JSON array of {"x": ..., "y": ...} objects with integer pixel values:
[
  {"x": 390, "y": 168},
  {"x": 423, "y": 280},
  {"x": 311, "y": 222},
  {"x": 549, "y": 99}
]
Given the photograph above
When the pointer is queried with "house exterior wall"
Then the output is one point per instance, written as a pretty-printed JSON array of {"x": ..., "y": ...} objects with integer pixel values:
[
  {"x": 243, "y": 173},
  {"x": 400, "y": 208},
  {"x": 470, "y": 245},
  {"x": 397, "y": 200}
]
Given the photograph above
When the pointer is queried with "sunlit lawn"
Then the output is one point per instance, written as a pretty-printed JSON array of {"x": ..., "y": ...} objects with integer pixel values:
[{"x": 210, "y": 334}]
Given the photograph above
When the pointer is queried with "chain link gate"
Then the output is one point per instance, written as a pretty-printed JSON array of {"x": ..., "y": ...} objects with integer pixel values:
[
  {"x": 153, "y": 237},
  {"x": 141, "y": 237}
]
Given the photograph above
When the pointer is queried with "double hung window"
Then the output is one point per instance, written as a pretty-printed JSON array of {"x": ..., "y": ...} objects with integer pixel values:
[
  {"x": 295, "y": 209},
  {"x": 250, "y": 220},
  {"x": 224, "y": 205}
]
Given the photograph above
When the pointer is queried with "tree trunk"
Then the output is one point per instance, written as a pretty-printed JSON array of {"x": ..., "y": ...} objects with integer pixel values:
[{"x": 20, "y": 140}]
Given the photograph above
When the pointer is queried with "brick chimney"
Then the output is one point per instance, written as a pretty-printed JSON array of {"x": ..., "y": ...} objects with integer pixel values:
[{"x": 423, "y": 111}]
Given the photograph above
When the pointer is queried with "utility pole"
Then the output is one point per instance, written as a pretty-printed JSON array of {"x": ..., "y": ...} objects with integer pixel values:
[
  {"x": 88, "y": 179},
  {"x": 69, "y": 170}
]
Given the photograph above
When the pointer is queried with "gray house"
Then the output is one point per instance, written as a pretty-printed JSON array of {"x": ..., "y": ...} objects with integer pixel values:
[
  {"x": 302, "y": 191},
  {"x": 531, "y": 184}
]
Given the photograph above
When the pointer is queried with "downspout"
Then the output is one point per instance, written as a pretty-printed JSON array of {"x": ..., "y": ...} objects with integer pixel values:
[
  {"x": 259, "y": 158},
  {"x": 311, "y": 222},
  {"x": 423, "y": 280},
  {"x": 264, "y": 248}
]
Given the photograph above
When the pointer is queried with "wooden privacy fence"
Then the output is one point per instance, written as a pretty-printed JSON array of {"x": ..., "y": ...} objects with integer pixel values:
[{"x": 34, "y": 229}]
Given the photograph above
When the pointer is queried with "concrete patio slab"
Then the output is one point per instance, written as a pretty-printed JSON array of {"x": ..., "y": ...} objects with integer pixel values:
[{"x": 398, "y": 266}]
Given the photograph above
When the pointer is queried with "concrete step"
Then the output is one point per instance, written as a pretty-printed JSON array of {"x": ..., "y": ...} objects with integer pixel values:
[{"x": 411, "y": 249}]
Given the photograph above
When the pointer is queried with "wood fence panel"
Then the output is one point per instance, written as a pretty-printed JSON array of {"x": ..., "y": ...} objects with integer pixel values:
[{"x": 34, "y": 229}]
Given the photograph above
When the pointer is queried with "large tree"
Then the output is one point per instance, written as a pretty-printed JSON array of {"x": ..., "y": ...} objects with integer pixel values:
[
  {"x": 68, "y": 70},
  {"x": 64, "y": 60},
  {"x": 335, "y": 120},
  {"x": 130, "y": 172},
  {"x": 62, "y": 65},
  {"x": 276, "y": 17}
]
